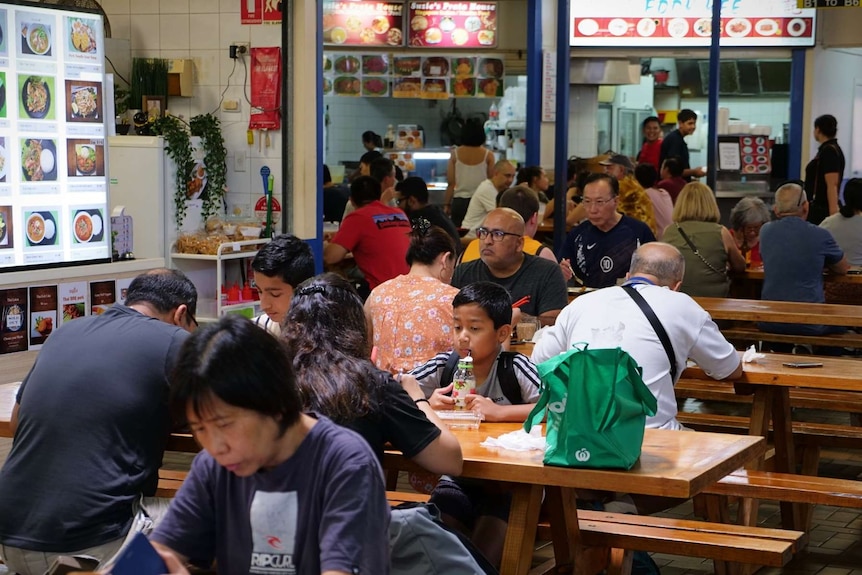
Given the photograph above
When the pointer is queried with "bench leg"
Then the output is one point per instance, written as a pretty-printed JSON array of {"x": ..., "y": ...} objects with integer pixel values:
[
  {"x": 621, "y": 562},
  {"x": 810, "y": 466}
]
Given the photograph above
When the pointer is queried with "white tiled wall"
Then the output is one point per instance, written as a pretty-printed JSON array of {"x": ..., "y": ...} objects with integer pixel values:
[{"x": 202, "y": 30}]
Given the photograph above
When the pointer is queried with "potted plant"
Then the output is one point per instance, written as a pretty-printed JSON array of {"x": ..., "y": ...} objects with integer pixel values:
[{"x": 178, "y": 147}]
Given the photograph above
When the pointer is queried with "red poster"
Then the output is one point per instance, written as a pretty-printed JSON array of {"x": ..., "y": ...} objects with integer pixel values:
[
  {"x": 265, "y": 89},
  {"x": 251, "y": 11},
  {"x": 452, "y": 24},
  {"x": 363, "y": 23},
  {"x": 271, "y": 13}
]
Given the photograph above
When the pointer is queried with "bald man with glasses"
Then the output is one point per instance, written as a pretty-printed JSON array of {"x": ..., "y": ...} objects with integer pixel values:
[
  {"x": 502, "y": 260},
  {"x": 795, "y": 253}
]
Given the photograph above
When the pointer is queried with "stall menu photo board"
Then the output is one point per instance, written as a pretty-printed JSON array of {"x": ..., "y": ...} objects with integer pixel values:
[
  {"x": 626, "y": 23},
  {"x": 53, "y": 185},
  {"x": 411, "y": 76},
  {"x": 363, "y": 23}
]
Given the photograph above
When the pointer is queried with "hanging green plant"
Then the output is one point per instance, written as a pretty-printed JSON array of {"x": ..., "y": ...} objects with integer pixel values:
[
  {"x": 179, "y": 148},
  {"x": 208, "y": 128}
]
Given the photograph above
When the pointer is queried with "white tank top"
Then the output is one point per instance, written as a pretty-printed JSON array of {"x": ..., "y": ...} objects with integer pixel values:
[{"x": 468, "y": 178}]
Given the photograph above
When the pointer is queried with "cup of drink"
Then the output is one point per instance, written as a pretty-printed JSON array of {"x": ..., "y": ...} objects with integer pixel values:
[{"x": 527, "y": 328}]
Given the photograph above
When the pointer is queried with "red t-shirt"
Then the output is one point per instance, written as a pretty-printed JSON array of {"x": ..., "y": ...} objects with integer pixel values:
[
  {"x": 378, "y": 236},
  {"x": 650, "y": 153}
]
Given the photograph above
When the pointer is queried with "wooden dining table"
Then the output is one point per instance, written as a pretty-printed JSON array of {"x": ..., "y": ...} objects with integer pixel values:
[
  {"x": 749, "y": 283},
  {"x": 769, "y": 380},
  {"x": 672, "y": 464},
  {"x": 751, "y": 310}
]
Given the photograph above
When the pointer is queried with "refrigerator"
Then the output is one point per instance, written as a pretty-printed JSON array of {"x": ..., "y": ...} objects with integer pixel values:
[{"x": 141, "y": 178}]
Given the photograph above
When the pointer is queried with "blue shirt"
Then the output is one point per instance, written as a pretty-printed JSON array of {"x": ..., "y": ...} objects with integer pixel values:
[{"x": 794, "y": 254}]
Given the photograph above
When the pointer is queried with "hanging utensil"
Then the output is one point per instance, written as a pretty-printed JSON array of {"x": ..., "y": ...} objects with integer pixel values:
[{"x": 264, "y": 174}]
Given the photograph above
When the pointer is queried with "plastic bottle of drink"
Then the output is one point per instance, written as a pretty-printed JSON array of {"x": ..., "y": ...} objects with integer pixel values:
[
  {"x": 464, "y": 382},
  {"x": 493, "y": 112}
]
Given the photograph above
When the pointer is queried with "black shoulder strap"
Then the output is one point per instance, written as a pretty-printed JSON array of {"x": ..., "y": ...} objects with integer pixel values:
[
  {"x": 657, "y": 326},
  {"x": 507, "y": 378},
  {"x": 449, "y": 370}
]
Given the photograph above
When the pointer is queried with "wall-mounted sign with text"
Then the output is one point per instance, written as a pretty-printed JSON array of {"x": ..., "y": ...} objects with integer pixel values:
[
  {"x": 452, "y": 24},
  {"x": 626, "y": 23},
  {"x": 363, "y": 23}
]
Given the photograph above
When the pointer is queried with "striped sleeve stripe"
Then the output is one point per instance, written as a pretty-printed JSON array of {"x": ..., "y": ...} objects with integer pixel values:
[
  {"x": 430, "y": 367},
  {"x": 528, "y": 369}
]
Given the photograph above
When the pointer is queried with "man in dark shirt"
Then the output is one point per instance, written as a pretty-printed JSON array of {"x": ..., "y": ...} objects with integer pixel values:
[
  {"x": 674, "y": 146},
  {"x": 91, "y": 420},
  {"x": 411, "y": 195},
  {"x": 599, "y": 250}
]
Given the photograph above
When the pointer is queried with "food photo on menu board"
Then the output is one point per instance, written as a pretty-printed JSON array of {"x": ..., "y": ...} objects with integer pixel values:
[
  {"x": 85, "y": 157},
  {"x": 81, "y": 33},
  {"x": 83, "y": 101},
  {"x": 363, "y": 23},
  {"x": 4, "y": 160},
  {"x": 40, "y": 228},
  {"x": 6, "y": 237},
  {"x": 37, "y": 97},
  {"x": 2, "y": 94},
  {"x": 88, "y": 225},
  {"x": 452, "y": 24},
  {"x": 4, "y": 34},
  {"x": 39, "y": 159},
  {"x": 36, "y": 33}
]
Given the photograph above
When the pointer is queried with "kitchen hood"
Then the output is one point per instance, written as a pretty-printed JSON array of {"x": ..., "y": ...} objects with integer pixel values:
[{"x": 604, "y": 71}]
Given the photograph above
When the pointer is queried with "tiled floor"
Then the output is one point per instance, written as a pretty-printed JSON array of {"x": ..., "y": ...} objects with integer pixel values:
[{"x": 835, "y": 546}]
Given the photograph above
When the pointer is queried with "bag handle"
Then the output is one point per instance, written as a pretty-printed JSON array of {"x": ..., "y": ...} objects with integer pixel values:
[
  {"x": 693, "y": 248},
  {"x": 657, "y": 326}
]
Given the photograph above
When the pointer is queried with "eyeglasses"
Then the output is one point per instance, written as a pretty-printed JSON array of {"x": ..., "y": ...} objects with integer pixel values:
[
  {"x": 191, "y": 318},
  {"x": 587, "y": 202},
  {"x": 802, "y": 197},
  {"x": 496, "y": 235}
]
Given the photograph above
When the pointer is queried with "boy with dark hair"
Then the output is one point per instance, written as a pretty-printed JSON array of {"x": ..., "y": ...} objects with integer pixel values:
[
  {"x": 674, "y": 145},
  {"x": 275, "y": 490},
  {"x": 279, "y": 267},
  {"x": 483, "y": 314}
]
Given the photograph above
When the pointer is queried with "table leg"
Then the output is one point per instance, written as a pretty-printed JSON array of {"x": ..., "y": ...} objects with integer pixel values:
[
  {"x": 761, "y": 409},
  {"x": 521, "y": 531},
  {"x": 793, "y": 516}
]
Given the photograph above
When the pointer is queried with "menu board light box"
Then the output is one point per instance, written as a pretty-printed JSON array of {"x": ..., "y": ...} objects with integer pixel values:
[
  {"x": 429, "y": 24},
  {"x": 688, "y": 23},
  {"x": 53, "y": 188}
]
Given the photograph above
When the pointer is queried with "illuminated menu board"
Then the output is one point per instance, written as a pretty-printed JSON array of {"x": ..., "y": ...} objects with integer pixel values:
[
  {"x": 752, "y": 23},
  {"x": 53, "y": 187},
  {"x": 452, "y": 24},
  {"x": 363, "y": 23}
]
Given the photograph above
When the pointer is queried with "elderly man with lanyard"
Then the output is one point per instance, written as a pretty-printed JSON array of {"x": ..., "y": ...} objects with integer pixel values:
[
  {"x": 503, "y": 261},
  {"x": 612, "y": 317}
]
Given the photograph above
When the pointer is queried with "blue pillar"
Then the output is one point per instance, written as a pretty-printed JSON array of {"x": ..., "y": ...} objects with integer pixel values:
[
  {"x": 797, "y": 99},
  {"x": 316, "y": 242},
  {"x": 561, "y": 128},
  {"x": 534, "y": 81},
  {"x": 714, "y": 77}
]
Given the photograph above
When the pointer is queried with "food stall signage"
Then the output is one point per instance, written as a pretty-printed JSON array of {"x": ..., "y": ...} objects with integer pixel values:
[
  {"x": 363, "y": 23},
  {"x": 452, "y": 24},
  {"x": 627, "y": 23}
]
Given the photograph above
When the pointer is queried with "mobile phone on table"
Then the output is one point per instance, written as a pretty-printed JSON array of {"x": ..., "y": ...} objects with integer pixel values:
[
  {"x": 802, "y": 364},
  {"x": 138, "y": 557}
]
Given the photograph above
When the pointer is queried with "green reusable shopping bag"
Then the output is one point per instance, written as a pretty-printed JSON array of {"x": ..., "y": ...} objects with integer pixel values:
[{"x": 597, "y": 404}]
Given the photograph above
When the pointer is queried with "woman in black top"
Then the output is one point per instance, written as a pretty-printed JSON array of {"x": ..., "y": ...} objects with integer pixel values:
[{"x": 824, "y": 173}]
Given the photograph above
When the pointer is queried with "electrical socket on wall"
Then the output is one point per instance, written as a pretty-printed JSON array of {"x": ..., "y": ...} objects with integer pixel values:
[{"x": 237, "y": 49}]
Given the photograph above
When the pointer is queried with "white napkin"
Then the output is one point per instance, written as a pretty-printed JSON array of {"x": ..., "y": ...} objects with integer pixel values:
[
  {"x": 518, "y": 440},
  {"x": 751, "y": 356}
]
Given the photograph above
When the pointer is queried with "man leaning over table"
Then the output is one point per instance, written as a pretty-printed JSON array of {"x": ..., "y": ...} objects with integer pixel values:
[
  {"x": 794, "y": 254},
  {"x": 610, "y": 318},
  {"x": 91, "y": 421}
]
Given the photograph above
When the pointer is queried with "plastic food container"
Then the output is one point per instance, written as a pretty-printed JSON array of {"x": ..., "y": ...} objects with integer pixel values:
[{"x": 461, "y": 419}]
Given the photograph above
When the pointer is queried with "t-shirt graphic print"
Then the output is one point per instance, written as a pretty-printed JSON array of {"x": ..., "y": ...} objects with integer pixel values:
[{"x": 273, "y": 530}]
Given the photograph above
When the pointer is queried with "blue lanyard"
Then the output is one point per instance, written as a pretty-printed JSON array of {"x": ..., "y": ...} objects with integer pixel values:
[{"x": 638, "y": 280}]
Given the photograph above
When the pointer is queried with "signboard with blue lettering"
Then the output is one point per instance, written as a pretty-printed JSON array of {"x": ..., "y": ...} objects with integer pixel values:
[{"x": 753, "y": 23}]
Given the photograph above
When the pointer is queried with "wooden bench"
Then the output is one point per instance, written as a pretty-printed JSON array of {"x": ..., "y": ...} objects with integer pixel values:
[
  {"x": 751, "y": 333},
  {"x": 791, "y": 488},
  {"x": 825, "y": 399}
]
